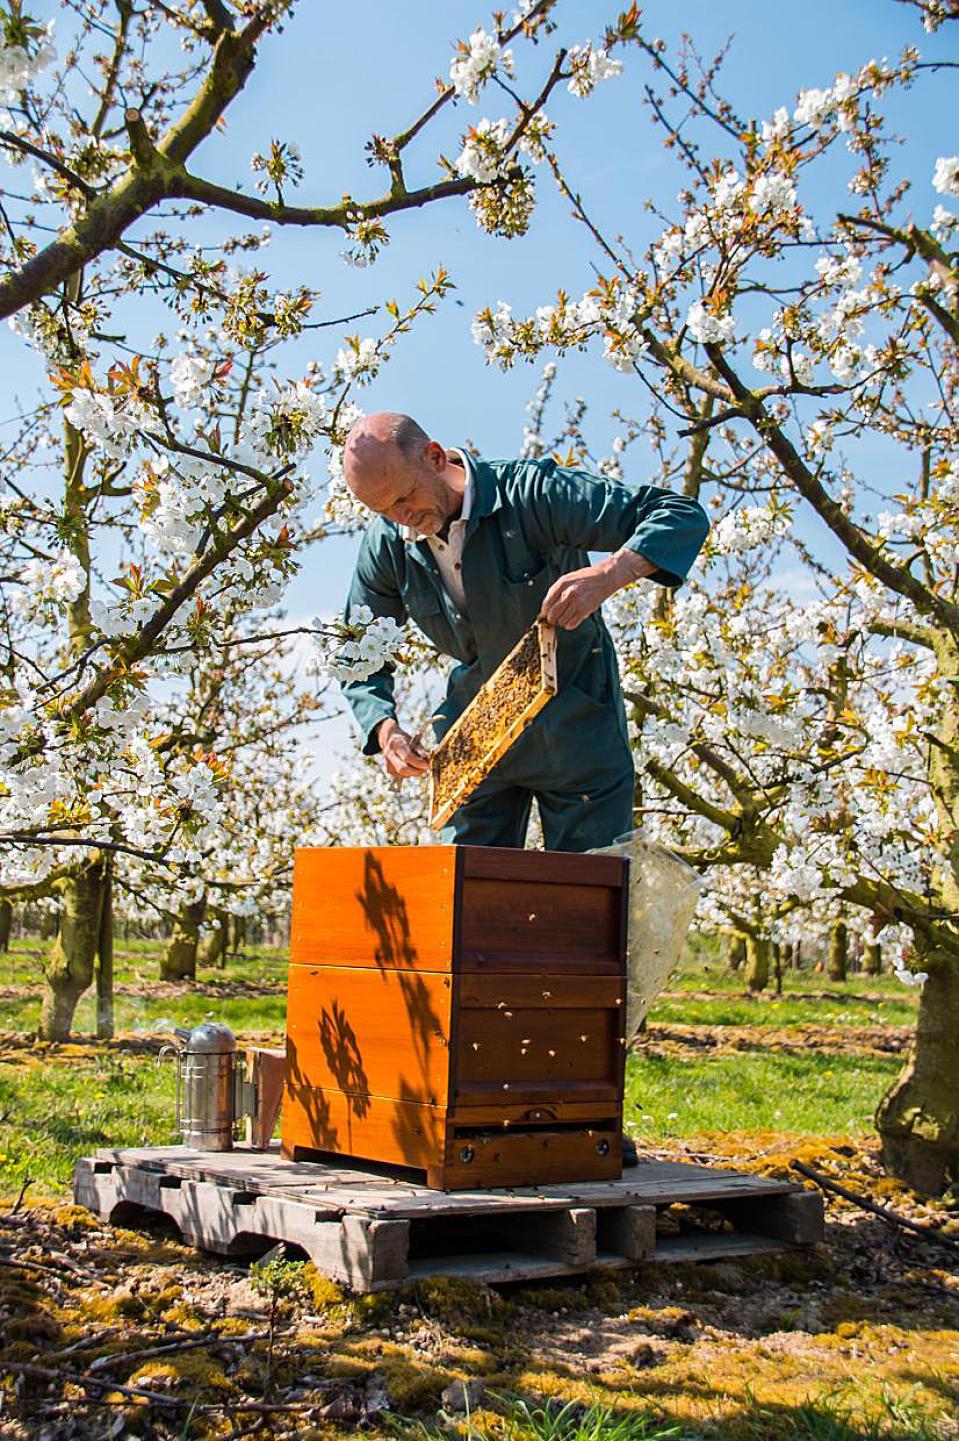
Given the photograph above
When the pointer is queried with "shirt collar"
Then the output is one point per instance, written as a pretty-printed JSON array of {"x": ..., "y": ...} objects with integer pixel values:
[{"x": 411, "y": 536}]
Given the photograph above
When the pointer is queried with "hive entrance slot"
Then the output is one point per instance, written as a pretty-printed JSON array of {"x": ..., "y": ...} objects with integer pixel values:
[{"x": 509, "y": 1128}]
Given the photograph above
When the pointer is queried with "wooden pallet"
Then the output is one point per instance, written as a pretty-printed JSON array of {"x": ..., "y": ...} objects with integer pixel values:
[
  {"x": 497, "y": 715},
  {"x": 375, "y": 1230}
]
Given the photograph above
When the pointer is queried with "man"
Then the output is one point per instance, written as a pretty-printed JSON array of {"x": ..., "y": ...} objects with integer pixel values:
[{"x": 474, "y": 552}]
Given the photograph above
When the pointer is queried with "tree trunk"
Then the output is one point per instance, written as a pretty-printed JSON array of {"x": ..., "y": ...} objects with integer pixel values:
[
  {"x": 213, "y": 946},
  {"x": 105, "y": 1018},
  {"x": 918, "y": 1119},
  {"x": 178, "y": 962},
  {"x": 6, "y": 921},
  {"x": 68, "y": 967},
  {"x": 737, "y": 952},
  {"x": 239, "y": 934},
  {"x": 777, "y": 955},
  {"x": 838, "y": 962},
  {"x": 757, "y": 963},
  {"x": 871, "y": 957}
]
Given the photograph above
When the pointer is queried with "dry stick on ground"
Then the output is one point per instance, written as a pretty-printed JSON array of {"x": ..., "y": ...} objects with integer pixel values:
[
  {"x": 53, "y": 1261},
  {"x": 142, "y": 1393},
  {"x": 85, "y": 1343},
  {"x": 28, "y": 1182},
  {"x": 930, "y": 1233},
  {"x": 167, "y": 1348},
  {"x": 11, "y": 1265},
  {"x": 139, "y": 1393}
]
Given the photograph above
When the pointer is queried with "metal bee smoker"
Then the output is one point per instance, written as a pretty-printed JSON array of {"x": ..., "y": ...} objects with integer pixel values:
[{"x": 206, "y": 1083}]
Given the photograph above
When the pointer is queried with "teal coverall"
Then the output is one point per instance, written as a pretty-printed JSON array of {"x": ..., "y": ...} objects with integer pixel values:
[{"x": 531, "y": 522}]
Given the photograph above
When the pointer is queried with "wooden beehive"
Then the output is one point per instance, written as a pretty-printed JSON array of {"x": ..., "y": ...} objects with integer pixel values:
[
  {"x": 496, "y": 716},
  {"x": 460, "y": 1010}
]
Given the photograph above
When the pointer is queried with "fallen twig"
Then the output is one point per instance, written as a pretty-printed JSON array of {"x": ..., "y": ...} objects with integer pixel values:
[
  {"x": 264, "y": 1407},
  {"x": 167, "y": 1348},
  {"x": 157, "y": 1398},
  {"x": 139, "y": 1393},
  {"x": 13, "y": 1263},
  {"x": 28, "y": 1182},
  {"x": 85, "y": 1343},
  {"x": 57, "y": 1258},
  {"x": 892, "y": 1218}
]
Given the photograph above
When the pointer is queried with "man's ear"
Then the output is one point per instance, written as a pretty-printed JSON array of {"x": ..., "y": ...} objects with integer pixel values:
[{"x": 435, "y": 455}]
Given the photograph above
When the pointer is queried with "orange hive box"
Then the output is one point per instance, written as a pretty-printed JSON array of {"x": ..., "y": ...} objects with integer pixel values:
[{"x": 460, "y": 1010}]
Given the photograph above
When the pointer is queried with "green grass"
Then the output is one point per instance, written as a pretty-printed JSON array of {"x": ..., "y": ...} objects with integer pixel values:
[
  {"x": 571, "y": 1422},
  {"x": 264, "y": 969},
  {"x": 136, "y": 964},
  {"x": 155, "y": 1014},
  {"x": 808, "y": 998},
  {"x": 786, "y": 1010},
  {"x": 711, "y": 976},
  {"x": 52, "y": 1112},
  {"x": 54, "y": 1108},
  {"x": 808, "y": 1092},
  {"x": 826, "y": 1419}
]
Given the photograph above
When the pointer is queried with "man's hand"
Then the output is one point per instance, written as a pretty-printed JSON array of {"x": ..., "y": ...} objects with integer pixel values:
[
  {"x": 576, "y": 595},
  {"x": 402, "y": 757}
]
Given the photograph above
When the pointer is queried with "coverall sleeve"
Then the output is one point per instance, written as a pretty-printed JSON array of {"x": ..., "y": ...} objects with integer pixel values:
[
  {"x": 574, "y": 508},
  {"x": 373, "y": 584}
]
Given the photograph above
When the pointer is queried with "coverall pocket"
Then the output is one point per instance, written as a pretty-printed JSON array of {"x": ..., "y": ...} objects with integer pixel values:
[
  {"x": 526, "y": 594},
  {"x": 425, "y": 610},
  {"x": 583, "y": 703},
  {"x": 575, "y": 741}
]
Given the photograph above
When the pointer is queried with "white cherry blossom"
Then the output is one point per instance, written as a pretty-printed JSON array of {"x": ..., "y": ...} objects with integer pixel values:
[{"x": 946, "y": 175}]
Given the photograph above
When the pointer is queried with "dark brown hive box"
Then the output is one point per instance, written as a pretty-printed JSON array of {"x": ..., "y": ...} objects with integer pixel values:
[{"x": 460, "y": 1010}]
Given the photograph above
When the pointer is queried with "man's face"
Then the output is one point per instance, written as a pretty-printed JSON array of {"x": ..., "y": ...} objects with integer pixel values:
[{"x": 411, "y": 493}]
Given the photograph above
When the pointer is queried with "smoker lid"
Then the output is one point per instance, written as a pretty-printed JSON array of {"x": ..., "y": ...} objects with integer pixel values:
[{"x": 210, "y": 1038}]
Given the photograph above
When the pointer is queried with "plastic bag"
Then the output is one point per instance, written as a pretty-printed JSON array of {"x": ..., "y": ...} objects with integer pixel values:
[{"x": 663, "y": 894}]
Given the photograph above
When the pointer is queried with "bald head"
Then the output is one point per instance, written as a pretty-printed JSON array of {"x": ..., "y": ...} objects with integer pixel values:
[{"x": 392, "y": 466}]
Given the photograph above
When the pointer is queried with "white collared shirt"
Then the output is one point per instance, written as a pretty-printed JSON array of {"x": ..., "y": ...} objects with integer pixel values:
[{"x": 449, "y": 552}]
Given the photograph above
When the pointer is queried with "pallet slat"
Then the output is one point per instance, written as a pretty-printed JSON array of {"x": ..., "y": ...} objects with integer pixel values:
[{"x": 372, "y": 1235}]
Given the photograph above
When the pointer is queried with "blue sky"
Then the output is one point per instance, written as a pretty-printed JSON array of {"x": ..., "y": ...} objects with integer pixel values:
[{"x": 339, "y": 72}]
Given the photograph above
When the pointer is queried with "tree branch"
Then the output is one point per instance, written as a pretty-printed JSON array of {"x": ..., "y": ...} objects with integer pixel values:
[
  {"x": 125, "y": 9},
  {"x": 26, "y": 147},
  {"x": 219, "y": 16},
  {"x": 206, "y": 192},
  {"x": 690, "y": 798},
  {"x": 916, "y": 241},
  {"x": 856, "y": 541},
  {"x": 683, "y": 369},
  {"x": 904, "y": 630},
  {"x": 135, "y": 647},
  {"x": 18, "y": 838},
  {"x": 742, "y": 790},
  {"x": 144, "y": 184}
]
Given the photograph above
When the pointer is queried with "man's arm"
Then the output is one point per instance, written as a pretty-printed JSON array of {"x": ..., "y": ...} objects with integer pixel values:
[
  {"x": 652, "y": 533},
  {"x": 577, "y": 594}
]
